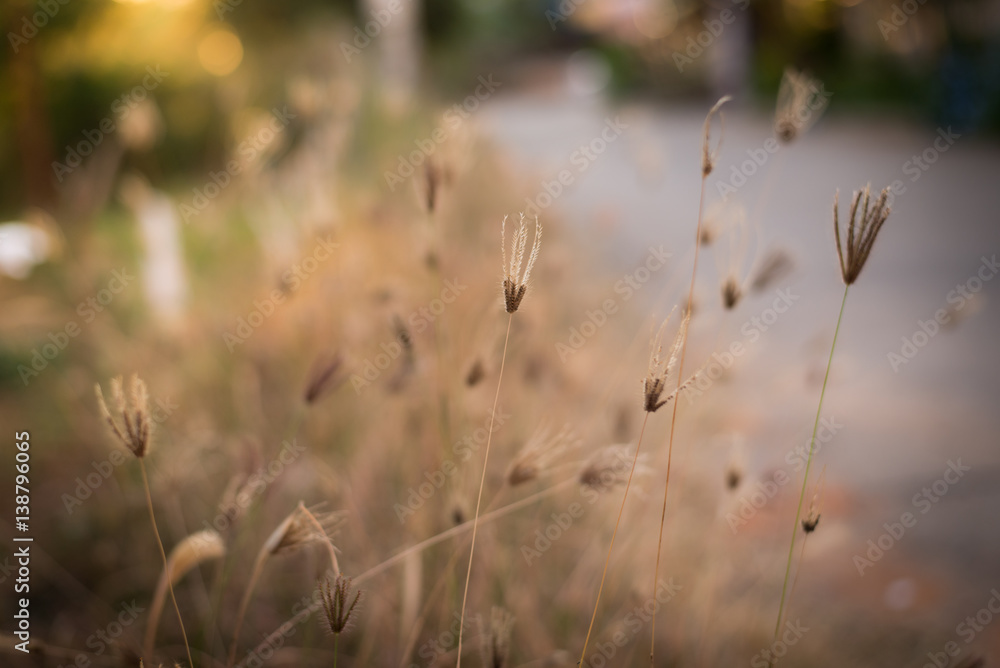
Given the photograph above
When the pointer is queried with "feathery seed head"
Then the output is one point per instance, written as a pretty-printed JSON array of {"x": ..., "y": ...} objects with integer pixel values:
[
  {"x": 495, "y": 645},
  {"x": 300, "y": 528},
  {"x": 709, "y": 156},
  {"x": 607, "y": 468},
  {"x": 801, "y": 101},
  {"x": 539, "y": 452},
  {"x": 337, "y": 602},
  {"x": 134, "y": 432},
  {"x": 515, "y": 283},
  {"x": 660, "y": 368},
  {"x": 863, "y": 225}
]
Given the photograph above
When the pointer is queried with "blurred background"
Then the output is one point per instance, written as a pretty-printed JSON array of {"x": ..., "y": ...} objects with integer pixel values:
[{"x": 177, "y": 172}]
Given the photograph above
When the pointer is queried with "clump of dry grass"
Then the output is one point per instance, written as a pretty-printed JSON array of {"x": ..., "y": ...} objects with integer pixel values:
[{"x": 134, "y": 433}]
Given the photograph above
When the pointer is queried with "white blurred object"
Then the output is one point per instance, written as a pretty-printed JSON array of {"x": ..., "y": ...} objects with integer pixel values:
[
  {"x": 587, "y": 72},
  {"x": 25, "y": 244},
  {"x": 164, "y": 276},
  {"x": 395, "y": 29}
]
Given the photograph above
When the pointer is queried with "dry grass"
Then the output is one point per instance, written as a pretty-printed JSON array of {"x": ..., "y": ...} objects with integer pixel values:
[{"x": 420, "y": 461}]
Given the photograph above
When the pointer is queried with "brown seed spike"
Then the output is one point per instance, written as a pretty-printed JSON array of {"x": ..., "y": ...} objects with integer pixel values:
[
  {"x": 731, "y": 293},
  {"x": 337, "y": 603},
  {"x": 515, "y": 282},
  {"x": 659, "y": 368},
  {"x": 863, "y": 227},
  {"x": 801, "y": 101},
  {"x": 134, "y": 432},
  {"x": 708, "y": 156}
]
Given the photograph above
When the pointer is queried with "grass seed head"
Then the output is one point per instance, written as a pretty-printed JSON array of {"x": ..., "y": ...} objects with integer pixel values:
[
  {"x": 731, "y": 292},
  {"x": 801, "y": 101},
  {"x": 539, "y": 452},
  {"x": 136, "y": 425},
  {"x": 864, "y": 223},
  {"x": 495, "y": 644},
  {"x": 660, "y": 368},
  {"x": 338, "y": 605},
  {"x": 606, "y": 468},
  {"x": 324, "y": 377},
  {"x": 708, "y": 155},
  {"x": 515, "y": 281},
  {"x": 300, "y": 528},
  {"x": 777, "y": 264}
]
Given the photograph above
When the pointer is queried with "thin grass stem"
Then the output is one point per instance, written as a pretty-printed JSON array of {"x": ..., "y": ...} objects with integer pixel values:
[
  {"x": 673, "y": 416},
  {"x": 614, "y": 533},
  {"x": 163, "y": 555},
  {"x": 805, "y": 478},
  {"x": 479, "y": 498}
]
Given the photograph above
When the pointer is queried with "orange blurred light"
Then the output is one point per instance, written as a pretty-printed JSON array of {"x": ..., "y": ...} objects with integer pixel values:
[{"x": 220, "y": 52}]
